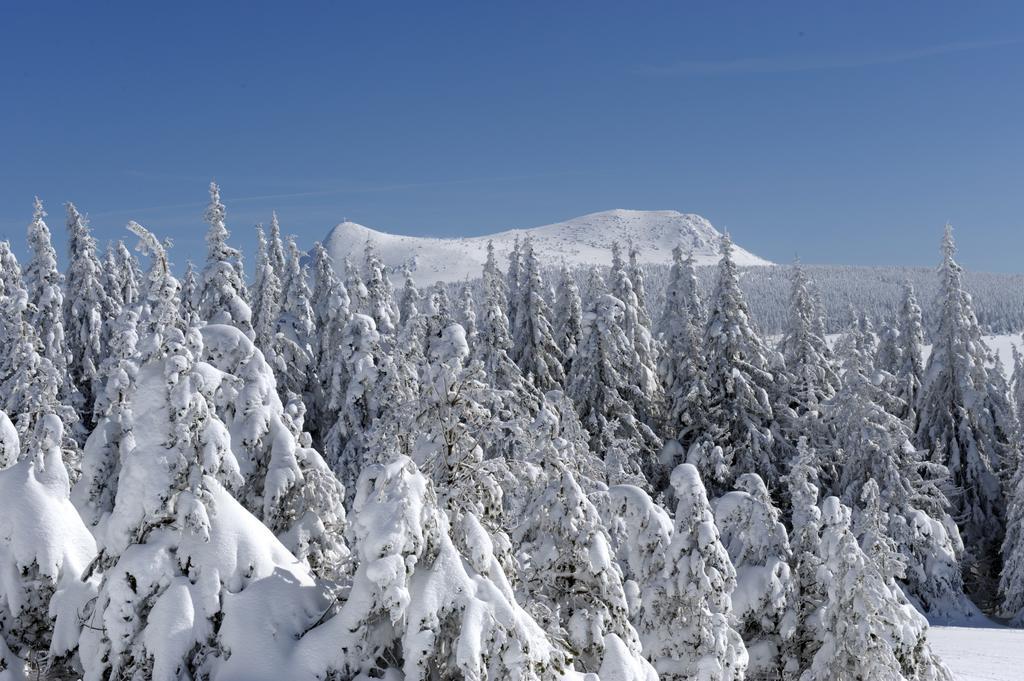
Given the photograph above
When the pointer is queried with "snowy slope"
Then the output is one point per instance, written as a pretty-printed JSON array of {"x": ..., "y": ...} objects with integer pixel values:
[
  {"x": 980, "y": 654},
  {"x": 582, "y": 240}
]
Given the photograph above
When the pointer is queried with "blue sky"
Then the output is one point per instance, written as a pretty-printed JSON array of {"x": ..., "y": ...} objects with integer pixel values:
[{"x": 845, "y": 132}]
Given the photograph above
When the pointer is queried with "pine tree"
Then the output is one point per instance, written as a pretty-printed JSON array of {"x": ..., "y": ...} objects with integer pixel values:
[
  {"x": 43, "y": 551},
  {"x": 190, "y": 312},
  {"x": 222, "y": 291},
  {"x": 568, "y": 317},
  {"x": 764, "y": 602},
  {"x": 957, "y": 415},
  {"x": 161, "y": 312},
  {"x": 293, "y": 351},
  {"x": 910, "y": 372},
  {"x": 636, "y": 325},
  {"x": 810, "y": 379},
  {"x": 348, "y": 440},
  {"x": 802, "y": 489},
  {"x": 380, "y": 295},
  {"x": 467, "y": 315},
  {"x": 513, "y": 277},
  {"x": 330, "y": 315},
  {"x": 533, "y": 342},
  {"x": 409, "y": 299},
  {"x": 682, "y": 366},
  {"x": 85, "y": 308},
  {"x": 600, "y": 383},
  {"x": 266, "y": 295},
  {"x": 419, "y": 605},
  {"x": 44, "y": 284},
  {"x": 869, "y": 631},
  {"x": 738, "y": 377},
  {"x": 112, "y": 439},
  {"x": 572, "y": 574},
  {"x": 687, "y": 627}
]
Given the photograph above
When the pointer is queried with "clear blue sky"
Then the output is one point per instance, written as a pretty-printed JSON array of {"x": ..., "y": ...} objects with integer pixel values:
[{"x": 847, "y": 132}]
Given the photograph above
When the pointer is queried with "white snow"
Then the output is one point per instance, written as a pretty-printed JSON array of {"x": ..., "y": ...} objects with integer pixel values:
[
  {"x": 980, "y": 654},
  {"x": 584, "y": 240}
]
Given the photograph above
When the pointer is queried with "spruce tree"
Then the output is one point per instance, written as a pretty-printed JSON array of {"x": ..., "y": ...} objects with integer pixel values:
[
  {"x": 223, "y": 297},
  {"x": 958, "y": 416},
  {"x": 738, "y": 378},
  {"x": 86, "y": 306},
  {"x": 533, "y": 342}
]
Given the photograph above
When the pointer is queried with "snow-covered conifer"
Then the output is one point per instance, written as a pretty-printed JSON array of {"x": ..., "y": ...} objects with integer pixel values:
[
  {"x": 682, "y": 366},
  {"x": 601, "y": 382},
  {"x": 568, "y": 316},
  {"x": 869, "y": 630},
  {"x": 738, "y": 377},
  {"x": 380, "y": 294},
  {"x": 764, "y": 602},
  {"x": 86, "y": 305},
  {"x": 910, "y": 373},
  {"x": 222, "y": 296},
  {"x": 44, "y": 284},
  {"x": 417, "y": 604},
  {"x": 293, "y": 350},
  {"x": 686, "y": 626},
  {"x": 572, "y": 574},
  {"x": 535, "y": 349},
  {"x": 636, "y": 325},
  {"x": 958, "y": 416},
  {"x": 44, "y": 550},
  {"x": 266, "y": 295},
  {"x": 330, "y": 314},
  {"x": 409, "y": 298}
]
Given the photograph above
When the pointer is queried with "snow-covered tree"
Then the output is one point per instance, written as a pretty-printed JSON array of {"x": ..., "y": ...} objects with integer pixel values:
[
  {"x": 409, "y": 298},
  {"x": 467, "y": 315},
  {"x": 266, "y": 295},
  {"x": 568, "y": 318},
  {"x": 160, "y": 314},
  {"x": 112, "y": 439},
  {"x": 687, "y": 627},
  {"x": 513, "y": 277},
  {"x": 810, "y": 379},
  {"x": 571, "y": 573},
  {"x": 738, "y": 378},
  {"x": 910, "y": 372},
  {"x": 223, "y": 297},
  {"x": 601, "y": 382},
  {"x": 330, "y": 314},
  {"x": 805, "y": 540},
  {"x": 287, "y": 484},
  {"x": 957, "y": 416},
  {"x": 764, "y": 602},
  {"x": 44, "y": 284},
  {"x": 347, "y": 442},
  {"x": 636, "y": 325},
  {"x": 190, "y": 311},
  {"x": 682, "y": 367},
  {"x": 533, "y": 341},
  {"x": 380, "y": 295},
  {"x": 869, "y": 630},
  {"x": 44, "y": 551},
  {"x": 417, "y": 604},
  {"x": 86, "y": 305},
  {"x": 293, "y": 350}
]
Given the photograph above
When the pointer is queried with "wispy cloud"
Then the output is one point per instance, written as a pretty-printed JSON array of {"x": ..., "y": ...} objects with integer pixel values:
[
  {"x": 340, "y": 191},
  {"x": 803, "y": 63}
]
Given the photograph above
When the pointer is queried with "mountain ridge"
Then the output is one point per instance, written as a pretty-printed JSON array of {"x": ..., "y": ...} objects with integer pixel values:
[{"x": 586, "y": 239}]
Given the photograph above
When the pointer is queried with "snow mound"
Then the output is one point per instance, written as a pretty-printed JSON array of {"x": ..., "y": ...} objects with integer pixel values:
[{"x": 585, "y": 240}]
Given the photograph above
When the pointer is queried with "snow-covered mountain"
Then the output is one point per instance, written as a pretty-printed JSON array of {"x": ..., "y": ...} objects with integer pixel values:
[{"x": 582, "y": 240}]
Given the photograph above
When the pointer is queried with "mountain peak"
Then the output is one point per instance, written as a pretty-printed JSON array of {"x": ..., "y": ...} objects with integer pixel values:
[{"x": 586, "y": 239}]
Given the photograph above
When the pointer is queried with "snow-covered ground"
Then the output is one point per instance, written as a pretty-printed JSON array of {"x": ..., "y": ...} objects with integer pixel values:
[
  {"x": 583, "y": 240},
  {"x": 980, "y": 654}
]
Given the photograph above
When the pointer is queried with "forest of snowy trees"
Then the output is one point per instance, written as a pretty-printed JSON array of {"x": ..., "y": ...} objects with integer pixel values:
[{"x": 314, "y": 474}]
